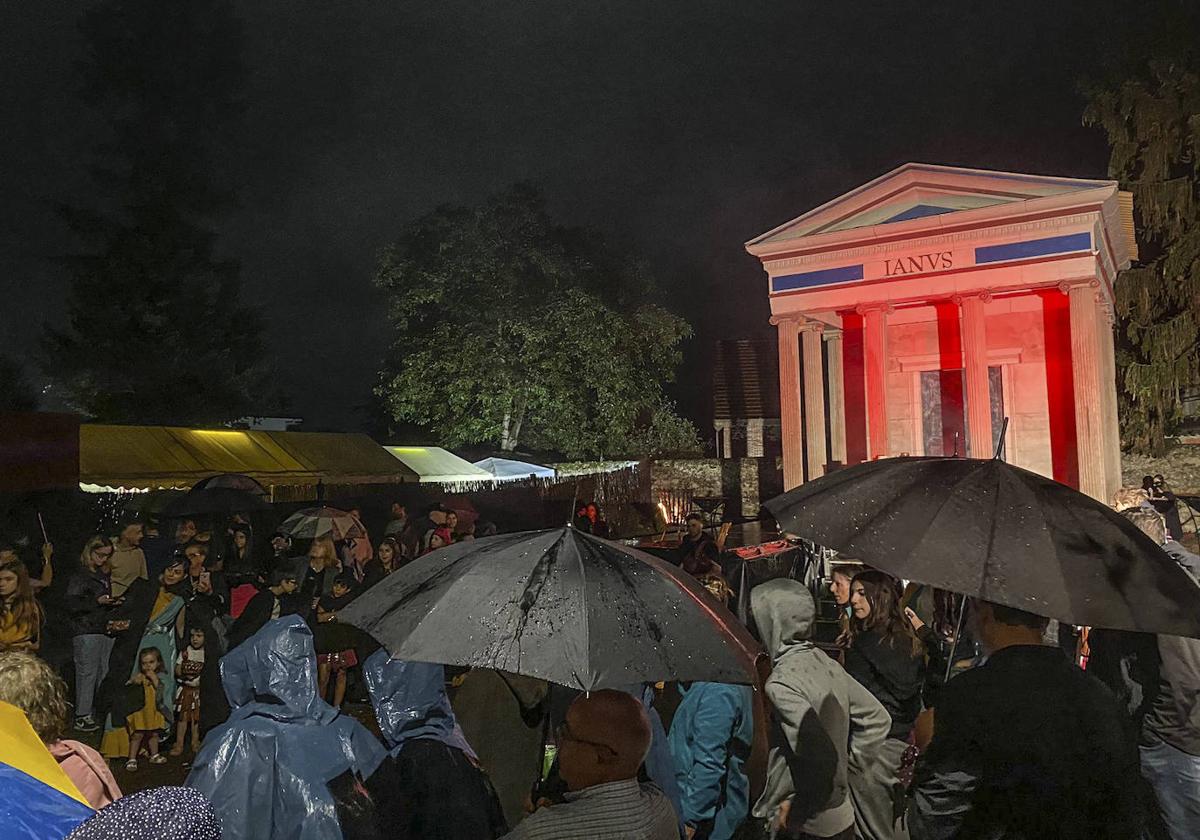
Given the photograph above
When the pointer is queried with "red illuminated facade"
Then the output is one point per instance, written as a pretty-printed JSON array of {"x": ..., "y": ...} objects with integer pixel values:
[{"x": 918, "y": 311}]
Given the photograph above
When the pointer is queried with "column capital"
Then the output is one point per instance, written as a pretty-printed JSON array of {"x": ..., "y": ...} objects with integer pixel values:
[
  {"x": 776, "y": 320},
  {"x": 984, "y": 295},
  {"x": 832, "y": 334},
  {"x": 878, "y": 306},
  {"x": 1065, "y": 286},
  {"x": 809, "y": 325}
]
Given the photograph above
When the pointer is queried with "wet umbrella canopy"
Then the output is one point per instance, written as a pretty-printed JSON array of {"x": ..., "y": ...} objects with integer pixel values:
[
  {"x": 560, "y": 605},
  {"x": 231, "y": 481},
  {"x": 1000, "y": 533},
  {"x": 215, "y": 500},
  {"x": 311, "y": 523}
]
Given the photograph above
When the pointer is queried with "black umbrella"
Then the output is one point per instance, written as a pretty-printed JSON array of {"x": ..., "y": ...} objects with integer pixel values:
[
  {"x": 993, "y": 531},
  {"x": 215, "y": 501},
  {"x": 560, "y": 605},
  {"x": 231, "y": 481}
]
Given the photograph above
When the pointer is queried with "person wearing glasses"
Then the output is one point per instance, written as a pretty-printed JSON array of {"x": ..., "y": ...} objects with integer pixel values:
[
  {"x": 89, "y": 602},
  {"x": 601, "y": 747}
]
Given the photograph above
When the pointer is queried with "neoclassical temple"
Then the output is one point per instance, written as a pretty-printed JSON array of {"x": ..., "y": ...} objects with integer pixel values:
[{"x": 918, "y": 311}]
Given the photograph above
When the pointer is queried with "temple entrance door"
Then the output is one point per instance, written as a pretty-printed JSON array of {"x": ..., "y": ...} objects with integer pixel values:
[{"x": 944, "y": 410}]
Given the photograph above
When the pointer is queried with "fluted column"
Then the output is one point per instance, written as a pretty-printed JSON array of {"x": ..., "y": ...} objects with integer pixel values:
[
  {"x": 837, "y": 397},
  {"x": 788, "y": 330},
  {"x": 875, "y": 365},
  {"x": 1112, "y": 425},
  {"x": 814, "y": 398},
  {"x": 1087, "y": 372},
  {"x": 975, "y": 362}
]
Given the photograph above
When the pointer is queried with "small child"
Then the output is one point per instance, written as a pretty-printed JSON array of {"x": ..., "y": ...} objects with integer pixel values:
[
  {"x": 341, "y": 660},
  {"x": 148, "y": 721},
  {"x": 188, "y": 667}
]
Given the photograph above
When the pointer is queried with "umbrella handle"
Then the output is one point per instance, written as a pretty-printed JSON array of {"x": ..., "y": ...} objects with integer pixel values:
[
  {"x": 539, "y": 780},
  {"x": 1000, "y": 440},
  {"x": 962, "y": 611}
]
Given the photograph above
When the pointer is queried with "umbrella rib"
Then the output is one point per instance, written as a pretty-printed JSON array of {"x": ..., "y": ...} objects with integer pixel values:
[
  {"x": 987, "y": 557},
  {"x": 583, "y": 601}
]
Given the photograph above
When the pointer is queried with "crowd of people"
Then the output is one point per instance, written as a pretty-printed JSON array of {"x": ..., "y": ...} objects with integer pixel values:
[{"x": 926, "y": 715}]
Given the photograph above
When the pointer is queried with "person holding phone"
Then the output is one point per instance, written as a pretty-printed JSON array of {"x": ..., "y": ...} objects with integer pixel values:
[{"x": 89, "y": 606}]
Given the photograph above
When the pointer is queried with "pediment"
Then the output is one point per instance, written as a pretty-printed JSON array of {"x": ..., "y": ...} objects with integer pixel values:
[{"x": 917, "y": 191}]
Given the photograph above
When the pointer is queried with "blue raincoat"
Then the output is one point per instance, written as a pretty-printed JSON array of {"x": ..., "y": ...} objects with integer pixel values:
[
  {"x": 711, "y": 735},
  {"x": 410, "y": 702},
  {"x": 268, "y": 768}
]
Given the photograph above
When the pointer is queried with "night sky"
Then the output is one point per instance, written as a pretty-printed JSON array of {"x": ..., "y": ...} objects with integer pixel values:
[{"x": 679, "y": 129}]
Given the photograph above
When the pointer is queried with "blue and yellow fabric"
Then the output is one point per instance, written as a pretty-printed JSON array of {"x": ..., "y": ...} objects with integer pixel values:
[{"x": 37, "y": 800}]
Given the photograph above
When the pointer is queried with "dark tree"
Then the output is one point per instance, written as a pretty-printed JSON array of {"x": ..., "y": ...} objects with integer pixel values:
[
  {"x": 1149, "y": 106},
  {"x": 16, "y": 392},
  {"x": 156, "y": 332},
  {"x": 511, "y": 329}
]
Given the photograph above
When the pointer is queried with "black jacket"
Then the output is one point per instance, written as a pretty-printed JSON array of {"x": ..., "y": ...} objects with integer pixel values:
[
  {"x": 1027, "y": 746},
  {"x": 86, "y": 616},
  {"x": 433, "y": 792},
  {"x": 893, "y": 675},
  {"x": 256, "y": 613}
]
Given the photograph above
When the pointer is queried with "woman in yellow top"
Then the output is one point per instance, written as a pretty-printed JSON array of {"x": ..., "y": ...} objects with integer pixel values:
[{"x": 20, "y": 613}]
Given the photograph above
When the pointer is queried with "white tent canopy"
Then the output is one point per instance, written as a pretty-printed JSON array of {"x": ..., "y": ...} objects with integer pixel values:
[
  {"x": 434, "y": 465},
  {"x": 503, "y": 469}
]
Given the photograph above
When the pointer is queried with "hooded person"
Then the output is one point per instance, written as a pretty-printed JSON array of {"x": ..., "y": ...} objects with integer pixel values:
[
  {"x": 825, "y": 725},
  {"x": 275, "y": 769},
  {"x": 430, "y": 786}
]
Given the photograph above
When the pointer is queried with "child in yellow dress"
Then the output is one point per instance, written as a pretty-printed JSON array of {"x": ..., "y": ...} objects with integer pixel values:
[{"x": 148, "y": 721}]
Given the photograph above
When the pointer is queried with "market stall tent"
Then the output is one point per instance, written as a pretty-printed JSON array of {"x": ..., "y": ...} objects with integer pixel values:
[
  {"x": 138, "y": 458},
  {"x": 434, "y": 465},
  {"x": 504, "y": 469}
]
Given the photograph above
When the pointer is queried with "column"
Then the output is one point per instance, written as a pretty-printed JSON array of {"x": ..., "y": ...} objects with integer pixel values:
[
  {"x": 1087, "y": 371},
  {"x": 814, "y": 398},
  {"x": 837, "y": 397},
  {"x": 791, "y": 435},
  {"x": 975, "y": 362},
  {"x": 1112, "y": 424},
  {"x": 875, "y": 365},
  {"x": 723, "y": 439},
  {"x": 754, "y": 437}
]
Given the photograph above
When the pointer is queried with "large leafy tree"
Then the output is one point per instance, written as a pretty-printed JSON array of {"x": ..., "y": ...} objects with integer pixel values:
[
  {"x": 155, "y": 331},
  {"x": 1149, "y": 106},
  {"x": 16, "y": 392},
  {"x": 511, "y": 329}
]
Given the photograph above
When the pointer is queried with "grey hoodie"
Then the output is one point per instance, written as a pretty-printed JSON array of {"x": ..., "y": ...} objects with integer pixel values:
[{"x": 823, "y": 722}]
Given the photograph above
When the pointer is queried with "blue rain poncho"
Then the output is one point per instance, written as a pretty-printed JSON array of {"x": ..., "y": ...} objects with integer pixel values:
[
  {"x": 410, "y": 702},
  {"x": 267, "y": 770}
]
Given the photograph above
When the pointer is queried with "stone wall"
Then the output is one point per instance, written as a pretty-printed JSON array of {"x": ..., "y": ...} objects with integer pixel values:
[{"x": 744, "y": 483}]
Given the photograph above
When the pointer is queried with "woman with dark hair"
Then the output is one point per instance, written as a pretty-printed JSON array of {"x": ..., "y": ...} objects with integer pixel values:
[
  {"x": 884, "y": 654},
  {"x": 882, "y": 651},
  {"x": 840, "y": 577},
  {"x": 241, "y": 562},
  {"x": 388, "y": 558},
  {"x": 152, "y": 616}
]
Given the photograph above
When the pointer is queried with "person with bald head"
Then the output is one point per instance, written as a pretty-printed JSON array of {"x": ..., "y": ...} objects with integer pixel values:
[{"x": 601, "y": 746}]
